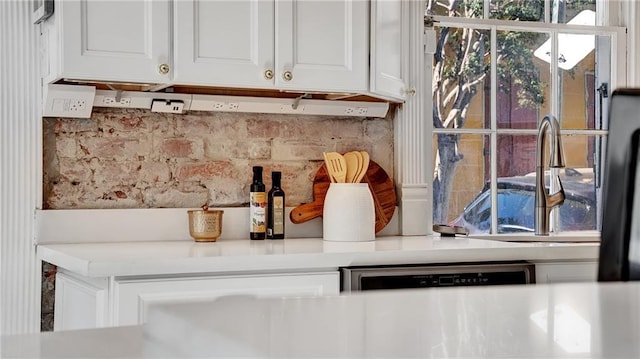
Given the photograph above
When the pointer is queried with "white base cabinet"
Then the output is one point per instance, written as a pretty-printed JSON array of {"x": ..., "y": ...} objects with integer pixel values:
[
  {"x": 89, "y": 303},
  {"x": 566, "y": 272},
  {"x": 80, "y": 303}
]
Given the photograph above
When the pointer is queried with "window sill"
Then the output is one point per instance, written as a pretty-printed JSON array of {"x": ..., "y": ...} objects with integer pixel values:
[{"x": 573, "y": 237}]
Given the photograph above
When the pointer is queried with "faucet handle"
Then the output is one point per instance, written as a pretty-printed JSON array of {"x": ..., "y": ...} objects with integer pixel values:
[{"x": 557, "y": 198}]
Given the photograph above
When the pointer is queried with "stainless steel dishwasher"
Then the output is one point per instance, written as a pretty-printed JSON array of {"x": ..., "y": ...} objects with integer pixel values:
[{"x": 436, "y": 275}]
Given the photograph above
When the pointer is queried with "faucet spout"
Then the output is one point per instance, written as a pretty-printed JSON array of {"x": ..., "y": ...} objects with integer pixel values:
[{"x": 545, "y": 202}]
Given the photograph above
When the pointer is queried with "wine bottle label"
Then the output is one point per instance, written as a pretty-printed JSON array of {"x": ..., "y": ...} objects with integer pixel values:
[
  {"x": 257, "y": 211},
  {"x": 278, "y": 215}
]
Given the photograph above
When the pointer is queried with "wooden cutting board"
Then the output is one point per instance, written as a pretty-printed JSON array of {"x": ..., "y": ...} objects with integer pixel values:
[{"x": 382, "y": 190}]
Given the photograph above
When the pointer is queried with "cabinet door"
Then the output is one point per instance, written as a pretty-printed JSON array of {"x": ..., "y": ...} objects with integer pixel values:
[
  {"x": 115, "y": 40},
  {"x": 566, "y": 272},
  {"x": 224, "y": 43},
  {"x": 133, "y": 297},
  {"x": 322, "y": 45},
  {"x": 79, "y": 304},
  {"x": 389, "y": 45}
]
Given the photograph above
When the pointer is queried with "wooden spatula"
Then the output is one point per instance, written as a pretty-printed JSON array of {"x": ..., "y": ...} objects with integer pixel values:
[
  {"x": 337, "y": 166},
  {"x": 364, "y": 166},
  {"x": 327, "y": 165},
  {"x": 353, "y": 165},
  {"x": 360, "y": 169}
]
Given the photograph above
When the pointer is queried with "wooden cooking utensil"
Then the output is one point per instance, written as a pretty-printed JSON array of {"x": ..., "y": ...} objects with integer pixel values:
[
  {"x": 308, "y": 211},
  {"x": 360, "y": 169},
  {"x": 353, "y": 165},
  {"x": 327, "y": 167},
  {"x": 382, "y": 190},
  {"x": 337, "y": 166},
  {"x": 364, "y": 166}
]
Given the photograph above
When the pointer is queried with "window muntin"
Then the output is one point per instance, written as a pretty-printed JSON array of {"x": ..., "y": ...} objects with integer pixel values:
[{"x": 565, "y": 92}]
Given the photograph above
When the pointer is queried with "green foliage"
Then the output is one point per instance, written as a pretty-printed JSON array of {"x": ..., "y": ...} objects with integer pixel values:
[
  {"x": 465, "y": 53},
  {"x": 580, "y": 5},
  {"x": 516, "y": 50},
  {"x": 520, "y": 10},
  {"x": 474, "y": 8}
]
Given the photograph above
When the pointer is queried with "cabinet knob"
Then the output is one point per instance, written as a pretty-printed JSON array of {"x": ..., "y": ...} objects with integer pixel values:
[
  {"x": 287, "y": 75},
  {"x": 411, "y": 91},
  {"x": 268, "y": 74},
  {"x": 163, "y": 69}
]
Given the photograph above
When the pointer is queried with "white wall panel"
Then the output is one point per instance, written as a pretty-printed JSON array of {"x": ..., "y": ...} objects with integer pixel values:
[
  {"x": 20, "y": 179},
  {"x": 412, "y": 133}
]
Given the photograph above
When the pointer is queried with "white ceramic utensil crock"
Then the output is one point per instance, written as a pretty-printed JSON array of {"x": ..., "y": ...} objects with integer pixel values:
[{"x": 348, "y": 213}]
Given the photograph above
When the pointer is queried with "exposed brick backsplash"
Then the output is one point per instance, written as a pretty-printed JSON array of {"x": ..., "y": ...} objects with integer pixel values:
[
  {"x": 122, "y": 158},
  {"x": 47, "y": 296}
]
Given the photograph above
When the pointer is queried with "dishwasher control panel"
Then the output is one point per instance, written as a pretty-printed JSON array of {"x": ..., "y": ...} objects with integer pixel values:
[{"x": 406, "y": 277}]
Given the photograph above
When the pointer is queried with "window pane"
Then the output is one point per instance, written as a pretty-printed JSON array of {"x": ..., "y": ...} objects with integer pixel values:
[
  {"x": 580, "y": 208},
  {"x": 523, "y": 79},
  {"x": 582, "y": 97},
  {"x": 516, "y": 208},
  {"x": 460, "y": 71},
  {"x": 566, "y": 11},
  {"x": 468, "y": 8},
  {"x": 517, "y": 183},
  {"x": 583, "y": 153},
  {"x": 520, "y": 10},
  {"x": 516, "y": 155},
  {"x": 461, "y": 172},
  {"x": 560, "y": 11},
  {"x": 469, "y": 201}
]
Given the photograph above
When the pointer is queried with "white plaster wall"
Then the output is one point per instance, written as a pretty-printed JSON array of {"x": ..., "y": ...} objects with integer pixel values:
[{"x": 631, "y": 14}]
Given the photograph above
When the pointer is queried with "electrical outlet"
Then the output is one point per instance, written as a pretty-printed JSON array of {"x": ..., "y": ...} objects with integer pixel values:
[
  {"x": 225, "y": 107},
  {"x": 69, "y": 101},
  {"x": 167, "y": 106},
  {"x": 349, "y": 110},
  {"x": 362, "y": 111},
  {"x": 77, "y": 105},
  {"x": 111, "y": 101},
  {"x": 71, "y": 106}
]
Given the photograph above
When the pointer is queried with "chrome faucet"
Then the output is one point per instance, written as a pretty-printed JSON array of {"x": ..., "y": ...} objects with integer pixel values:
[{"x": 544, "y": 201}]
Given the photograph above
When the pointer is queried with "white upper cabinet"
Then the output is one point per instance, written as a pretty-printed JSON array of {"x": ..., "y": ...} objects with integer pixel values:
[
  {"x": 228, "y": 43},
  {"x": 389, "y": 44},
  {"x": 122, "y": 41},
  {"x": 285, "y": 44},
  {"x": 291, "y": 45},
  {"x": 322, "y": 45}
]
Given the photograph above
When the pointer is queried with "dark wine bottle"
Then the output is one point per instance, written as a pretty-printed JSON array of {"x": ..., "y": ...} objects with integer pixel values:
[
  {"x": 275, "y": 208},
  {"x": 257, "y": 205}
]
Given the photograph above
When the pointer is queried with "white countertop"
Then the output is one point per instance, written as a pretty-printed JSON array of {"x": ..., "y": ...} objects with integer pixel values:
[
  {"x": 117, "y": 342},
  {"x": 544, "y": 321},
  {"x": 586, "y": 320},
  {"x": 237, "y": 255}
]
